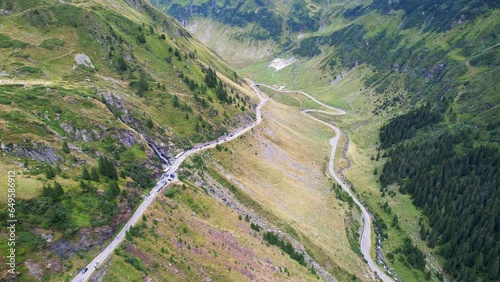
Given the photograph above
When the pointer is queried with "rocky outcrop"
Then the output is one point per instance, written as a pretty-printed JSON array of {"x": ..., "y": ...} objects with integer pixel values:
[
  {"x": 84, "y": 135},
  {"x": 82, "y": 59},
  {"x": 127, "y": 138},
  {"x": 68, "y": 128},
  {"x": 88, "y": 238},
  {"x": 35, "y": 269},
  {"x": 32, "y": 151},
  {"x": 113, "y": 101},
  {"x": 135, "y": 3},
  {"x": 5, "y": 12},
  {"x": 54, "y": 265}
]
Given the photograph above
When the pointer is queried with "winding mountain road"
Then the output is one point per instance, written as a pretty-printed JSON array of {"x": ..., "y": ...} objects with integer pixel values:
[
  {"x": 365, "y": 240},
  {"x": 162, "y": 183}
]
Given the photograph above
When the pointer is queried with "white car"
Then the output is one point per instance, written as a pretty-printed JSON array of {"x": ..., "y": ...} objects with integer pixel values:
[{"x": 96, "y": 264}]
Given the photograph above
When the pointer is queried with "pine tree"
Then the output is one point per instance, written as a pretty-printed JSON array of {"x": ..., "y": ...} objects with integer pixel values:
[
  {"x": 54, "y": 193},
  {"x": 116, "y": 155},
  {"x": 176, "y": 102},
  {"x": 83, "y": 186},
  {"x": 120, "y": 63},
  {"x": 112, "y": 174},
  {"x": 493, "y": 272},
  {"x": 142, "y": 85},
  {"x": 46, "y": 191},
  {"x": 149, "y": 123},
  {"x": 140, "y": 38},
  {"x": 107, "y": 168},
  {"x": 65, "y": 148},
  {"x": 210, "y": 78},
  {"x": 431, "y": 243},
  {"x": 58, "y": 191},
  {"x": 113, "y": 190},
  {"x": 394, "y": 221},
  {"x": 423, "y": 233},
  {"x": 49, "y": 173},
  {"x": 94, "y": 175},
  {"x": 85, "y": 173},
  {"x": 101, "y": 166}
]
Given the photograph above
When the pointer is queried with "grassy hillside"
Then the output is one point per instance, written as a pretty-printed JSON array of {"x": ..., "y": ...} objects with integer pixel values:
[
  {"x": 282, "y": 166},
  {"x": 81, "y": 83},
  {"x": 433, "y": 64},
  {"x": 198, "y": 237}
]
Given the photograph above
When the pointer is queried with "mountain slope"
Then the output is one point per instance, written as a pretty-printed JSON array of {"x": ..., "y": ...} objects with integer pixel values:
[
  {"x": 434, "y": 65},
  {"x": 87, "y": 89}
]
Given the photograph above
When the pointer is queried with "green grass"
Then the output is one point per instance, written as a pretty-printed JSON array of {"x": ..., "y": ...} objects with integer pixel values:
[
  {"x": 7, "y": 42},
  {"x": 248, "y": 202},
  {"x": 119, "y": 270},
  {"x": 51, "y": 43},
  {"x": 186, "y": 236},
  {"x": 349, "y": 93},
  {"x": 40, "y": 44}
]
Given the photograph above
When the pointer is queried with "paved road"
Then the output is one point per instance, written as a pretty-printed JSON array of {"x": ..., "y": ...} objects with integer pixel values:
[
  {"x": 365, "y": 240},
  {"x": 163, "y": 182},
  {"x": 338, "y": 111}
]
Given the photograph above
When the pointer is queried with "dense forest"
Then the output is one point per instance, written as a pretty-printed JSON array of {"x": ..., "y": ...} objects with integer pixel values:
[
  {"x": 405, "y": 126},
  {"x": 438, "y": 16},
  {"x": 456, "y": 183},
  {"x": 425, "y": 69},
  {"x": 448, "y": 165},
  {"x": 233, "y": 14}
]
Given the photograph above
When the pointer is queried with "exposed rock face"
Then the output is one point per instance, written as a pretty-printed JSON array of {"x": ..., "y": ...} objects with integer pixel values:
[
  {"x": 166, "y": 151},
  {"x": 88, "y": 239},
  {"x": 54, "y": 265},
  {"x": 114, "y": 101},
  {"x": 83, "y": 59},
  {"x": 135, "y": 3},
  {"x": 84, "y": 135},
  {"x": 67, "y": 127},
  {"x": 126, "y": 137},
  {"x": 48, "y": 237},
  {"x": 5, "y": 148},
  {"x": 33, "y": 151}
]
